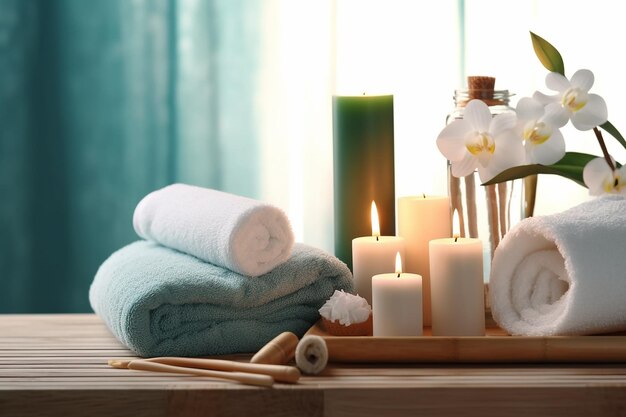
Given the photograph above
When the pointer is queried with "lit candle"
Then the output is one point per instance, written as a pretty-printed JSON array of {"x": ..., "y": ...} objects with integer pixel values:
[
  {"x": 456, "y": 283},
  {"x": 373, "y": 255},
  {"x": 363, "y": 166},
  {"x": 397, "y": 303},
  {"x": 421, "y": 219}
]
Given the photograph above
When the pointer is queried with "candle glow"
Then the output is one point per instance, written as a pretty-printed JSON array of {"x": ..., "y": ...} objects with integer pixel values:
[
  {"x": 398, "y": 264},
  {"x": 373, "y": 255},
  {"x": 375, "y": 223},
  {"x": 455, "y": 225}
]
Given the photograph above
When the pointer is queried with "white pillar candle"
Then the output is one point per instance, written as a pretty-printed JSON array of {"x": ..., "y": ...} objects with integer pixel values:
[
  {"x": 373, "y": 255},
  {"x": 456, "y": 284},
  {"x": 421, "y": 219},
  {"x": 397, "y": 303}
]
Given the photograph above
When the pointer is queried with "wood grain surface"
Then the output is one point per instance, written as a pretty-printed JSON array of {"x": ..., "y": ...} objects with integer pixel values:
[{"x": 56, "y": 365}]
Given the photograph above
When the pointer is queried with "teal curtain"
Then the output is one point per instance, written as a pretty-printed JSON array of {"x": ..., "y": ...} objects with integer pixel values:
[{"x": 101, "y": 102}]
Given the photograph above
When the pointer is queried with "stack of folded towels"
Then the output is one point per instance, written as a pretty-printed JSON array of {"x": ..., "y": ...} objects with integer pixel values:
[{"x": 217, "y": 274}]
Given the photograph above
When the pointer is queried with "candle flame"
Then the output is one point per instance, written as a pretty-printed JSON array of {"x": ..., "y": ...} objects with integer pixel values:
[
  {"x": 455, "y": 225},
  {"x": 398, "y": 264},
  {"x": 375, "y": 224}
]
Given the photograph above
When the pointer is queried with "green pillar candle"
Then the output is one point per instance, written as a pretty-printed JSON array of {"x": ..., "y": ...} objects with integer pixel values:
[{"x": 363, "y": 168}]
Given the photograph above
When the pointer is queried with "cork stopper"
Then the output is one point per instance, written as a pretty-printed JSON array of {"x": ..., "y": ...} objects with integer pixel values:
[{"x": 482, "y": 88}]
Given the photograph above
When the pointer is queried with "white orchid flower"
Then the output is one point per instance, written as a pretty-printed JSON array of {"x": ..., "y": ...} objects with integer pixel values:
[
  {"x": 539, "y": 126},
  {"x": 481, "y": 142},
  {"x": 585, "y": 110},
  {"x": 601, "y": 179}
]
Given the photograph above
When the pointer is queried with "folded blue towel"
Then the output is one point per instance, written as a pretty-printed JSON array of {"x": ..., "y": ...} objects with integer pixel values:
[{"x": 160, "y": 302}]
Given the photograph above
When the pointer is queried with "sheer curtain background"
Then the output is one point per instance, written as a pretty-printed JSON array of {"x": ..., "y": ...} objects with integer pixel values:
[{"x": 103, "y": 101}]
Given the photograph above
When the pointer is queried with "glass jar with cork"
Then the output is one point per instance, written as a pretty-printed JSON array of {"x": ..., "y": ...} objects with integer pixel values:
[{"x": 485, "y": 212}]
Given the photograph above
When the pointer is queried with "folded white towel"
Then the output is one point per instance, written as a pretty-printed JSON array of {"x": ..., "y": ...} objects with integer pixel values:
[
  {"x": 563, "y": 274},
  {"x": 238, "y": 233}
]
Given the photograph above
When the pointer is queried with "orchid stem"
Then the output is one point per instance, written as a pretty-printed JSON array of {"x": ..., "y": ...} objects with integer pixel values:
[{"x": 605, "y": 152}]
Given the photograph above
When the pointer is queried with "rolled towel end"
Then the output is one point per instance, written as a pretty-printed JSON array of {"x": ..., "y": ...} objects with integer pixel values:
[
  {"x": 261, "y": 240},
  {"x": 312, "y": 355},
  {"x": 563, "y": 274}
]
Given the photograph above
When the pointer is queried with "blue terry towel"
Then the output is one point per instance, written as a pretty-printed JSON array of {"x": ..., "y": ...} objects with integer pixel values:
[{"x": 160, "y": 302}]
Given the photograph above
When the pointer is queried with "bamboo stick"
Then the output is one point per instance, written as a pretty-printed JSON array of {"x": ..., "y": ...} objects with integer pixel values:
[
  {"x": 502, "y": 208},
  {"x": 470, "y": 198},
  {"x": 456, "y": 200},
  {"x": 492, "y": 215},
  {"x": 508, "y": 205},
  {"x": 280, "y": 373},
  {"x": 530, "y": 194},
  {"x": 242, "y": 377}
]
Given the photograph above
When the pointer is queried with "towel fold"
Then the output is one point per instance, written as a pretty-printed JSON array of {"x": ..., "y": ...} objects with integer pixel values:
[
  {"x": 238, "y": 233},
  {"x": 160, "y": 302},
  {"x": 563, "y": 274}
]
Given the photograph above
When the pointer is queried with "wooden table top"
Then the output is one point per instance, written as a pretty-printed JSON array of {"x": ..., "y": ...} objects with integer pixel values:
[{"x": 57, "y": 365}]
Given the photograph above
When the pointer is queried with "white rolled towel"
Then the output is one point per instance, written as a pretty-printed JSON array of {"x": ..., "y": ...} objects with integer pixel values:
[
  {"x": 563, "y": 274},
  {"x": 238, "y": 233}
]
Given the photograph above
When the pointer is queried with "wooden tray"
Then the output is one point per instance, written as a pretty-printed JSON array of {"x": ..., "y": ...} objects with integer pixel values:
[{"x": 495, "y": 347}]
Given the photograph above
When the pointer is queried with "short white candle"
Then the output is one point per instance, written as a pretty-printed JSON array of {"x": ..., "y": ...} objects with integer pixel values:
[
  {"x": 421, "y": 219},
  {"x": 456, "y": 284},
  {"x": 397, "y": 303},
  {"x": 373, "y": 255}
]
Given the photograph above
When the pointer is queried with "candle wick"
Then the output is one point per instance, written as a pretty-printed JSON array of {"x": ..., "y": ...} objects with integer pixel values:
[
  {"x": 424, "y": 195},
  {"x": 376, "y": 238},
  {"x": 456, "y": 238},
  {"x": 398, "y": 275}
]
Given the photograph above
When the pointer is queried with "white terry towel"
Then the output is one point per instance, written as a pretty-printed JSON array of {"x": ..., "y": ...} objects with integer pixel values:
[
  {"x": 234, "y": 232},
  {"x": 563, "y": 274}
]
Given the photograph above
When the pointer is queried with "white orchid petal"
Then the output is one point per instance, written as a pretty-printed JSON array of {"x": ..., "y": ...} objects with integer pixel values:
[
  {"x": 548, "y": 152},
  {"x": 595, "y": 174},
  {"x": 464, "y": 166},
  {"x": 478, "y": 115},
  {"x": 593, "y": 114},
  {"x": 509, "y": 151},
  {"x": 451, "y": 140},
  {"x": 582, "y": 79},
  {"x": 557, "y": 82},
  {"x": 529, "y": 109},
  {"x": 487, "y": 172},
  {"x": 555, "y": 115},
  {"x": 502, "y": 123},
  {"x": 545, "y": 99}
]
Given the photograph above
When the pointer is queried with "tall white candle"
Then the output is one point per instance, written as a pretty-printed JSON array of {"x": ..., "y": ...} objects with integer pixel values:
[
  {"x": 457, "y": 289},
  {"x": 421, "y": 219},
  {"x": 397, "y": 303},
  {"x": 373, "y": 255}
]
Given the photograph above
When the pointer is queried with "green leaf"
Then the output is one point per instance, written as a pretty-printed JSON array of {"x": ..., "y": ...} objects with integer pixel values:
[
  {"x": 548, "y": 54},
  {"x": 570, "y": 166},
  {"x": 612, "y": 130}
]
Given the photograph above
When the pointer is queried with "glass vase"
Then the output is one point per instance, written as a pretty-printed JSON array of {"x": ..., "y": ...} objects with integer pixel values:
[{"x": 485, "y": 212}]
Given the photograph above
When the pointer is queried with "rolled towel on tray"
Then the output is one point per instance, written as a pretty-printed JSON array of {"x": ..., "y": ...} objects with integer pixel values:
[
  {"x": 160, "y": 302},
  {"x": 238, "y": 233},
  {"x": 563, "y": 274}
]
